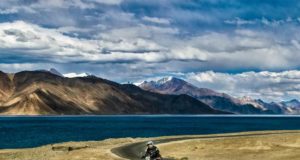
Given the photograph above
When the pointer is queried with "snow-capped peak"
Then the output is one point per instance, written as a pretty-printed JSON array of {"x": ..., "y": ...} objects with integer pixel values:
[
  {"x": 165, "y": 80},
  {"x": 167, "y": 83},
  {"x": 139, "y": 83},
  {"x": 73, "y": 75},
  {"x": 246, "y": 99},
  {"x": 162, "y": 81}
]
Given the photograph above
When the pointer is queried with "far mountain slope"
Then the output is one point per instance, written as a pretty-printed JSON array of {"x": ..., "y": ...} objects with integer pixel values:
[{"x": 219, "y": 101}]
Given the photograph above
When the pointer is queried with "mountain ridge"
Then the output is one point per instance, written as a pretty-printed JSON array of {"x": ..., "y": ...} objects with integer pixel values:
[
  {"x": 220, "y": 101},
  {"x": 45, "y": 93}
]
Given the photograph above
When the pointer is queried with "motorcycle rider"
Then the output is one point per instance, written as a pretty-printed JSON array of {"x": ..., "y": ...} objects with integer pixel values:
[{"x": 152, "y": 152}]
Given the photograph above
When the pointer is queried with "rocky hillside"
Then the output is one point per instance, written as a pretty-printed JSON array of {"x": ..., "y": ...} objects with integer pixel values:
[
  {"x": 45, "y": 93},
  {"x": 216, "y": 100}
]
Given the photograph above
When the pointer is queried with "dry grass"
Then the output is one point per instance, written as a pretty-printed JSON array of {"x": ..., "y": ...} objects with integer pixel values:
[
  {"x": 266, "y": 147},
  {"x": 92, "y": 150},
  {"x": 282, "y": 146}
]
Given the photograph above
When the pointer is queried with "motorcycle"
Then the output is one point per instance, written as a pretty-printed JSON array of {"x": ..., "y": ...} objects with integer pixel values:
[{"x": 149, "y": 158}]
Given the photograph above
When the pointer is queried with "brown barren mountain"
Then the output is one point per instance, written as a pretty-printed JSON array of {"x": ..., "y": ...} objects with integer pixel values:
[{"x": 44, "y": 93}]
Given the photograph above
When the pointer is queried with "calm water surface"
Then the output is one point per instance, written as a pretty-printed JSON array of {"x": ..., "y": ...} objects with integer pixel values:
[{"x": 23, "y": 132}]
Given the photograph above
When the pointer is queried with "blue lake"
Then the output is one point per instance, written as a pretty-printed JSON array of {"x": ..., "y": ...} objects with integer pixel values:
[{"x": 23, "y": 132}]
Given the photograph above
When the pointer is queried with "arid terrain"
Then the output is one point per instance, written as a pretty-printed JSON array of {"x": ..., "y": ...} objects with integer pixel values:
[
  {"x": 44, "y": 93},
  {"x": 262, "y": 147},
  {"x": 275, "y": 145}
]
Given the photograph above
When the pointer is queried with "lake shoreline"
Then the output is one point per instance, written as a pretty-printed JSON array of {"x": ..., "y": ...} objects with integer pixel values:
[{"x": 107, "y": 148}]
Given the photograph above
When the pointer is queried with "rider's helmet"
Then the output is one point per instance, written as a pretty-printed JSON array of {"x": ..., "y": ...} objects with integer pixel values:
[{"x": 150, "y": 143}]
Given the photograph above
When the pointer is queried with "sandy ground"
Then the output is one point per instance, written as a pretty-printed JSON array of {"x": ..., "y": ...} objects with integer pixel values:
[
  {"x": 264, "y": 147},
  {"x": 91, "y": 150},
  {"x": 283, "y": 145}
]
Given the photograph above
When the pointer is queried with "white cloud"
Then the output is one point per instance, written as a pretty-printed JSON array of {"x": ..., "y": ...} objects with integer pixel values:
[
  {"x": 156, "y": 20},
  {"x": 245, "y": 49},
  {"x": 189, "y": 53},
  {"x": 140, "y": 30},
  {"x": 268, "y": 22},
  {"x": 8, "y": 11},
  {"x": 264, "y": 21},
  {"x": 48, "y": 44},
  {"x": 240, "y": 49},
  {"x": 48, "y": 5},
  {"x": 16, "y": 67},
  {"x": 223, "y": 42},
  {"x": 270, "y": 86},
  {"x": 239, "y": 21},
  {"x": 72, "y": 29},
  {"x": 108, "y": 2},
  {"x": 14, "y": 6}
]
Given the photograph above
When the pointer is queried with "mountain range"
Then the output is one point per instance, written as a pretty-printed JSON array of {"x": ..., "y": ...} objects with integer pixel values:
[
  {"x": 49, "y": 93},
  {"x": 220, "y": 101}
]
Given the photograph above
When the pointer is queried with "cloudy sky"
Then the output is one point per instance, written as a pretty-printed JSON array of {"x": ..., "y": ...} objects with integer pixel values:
[{"x": 244, "y": 48}]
